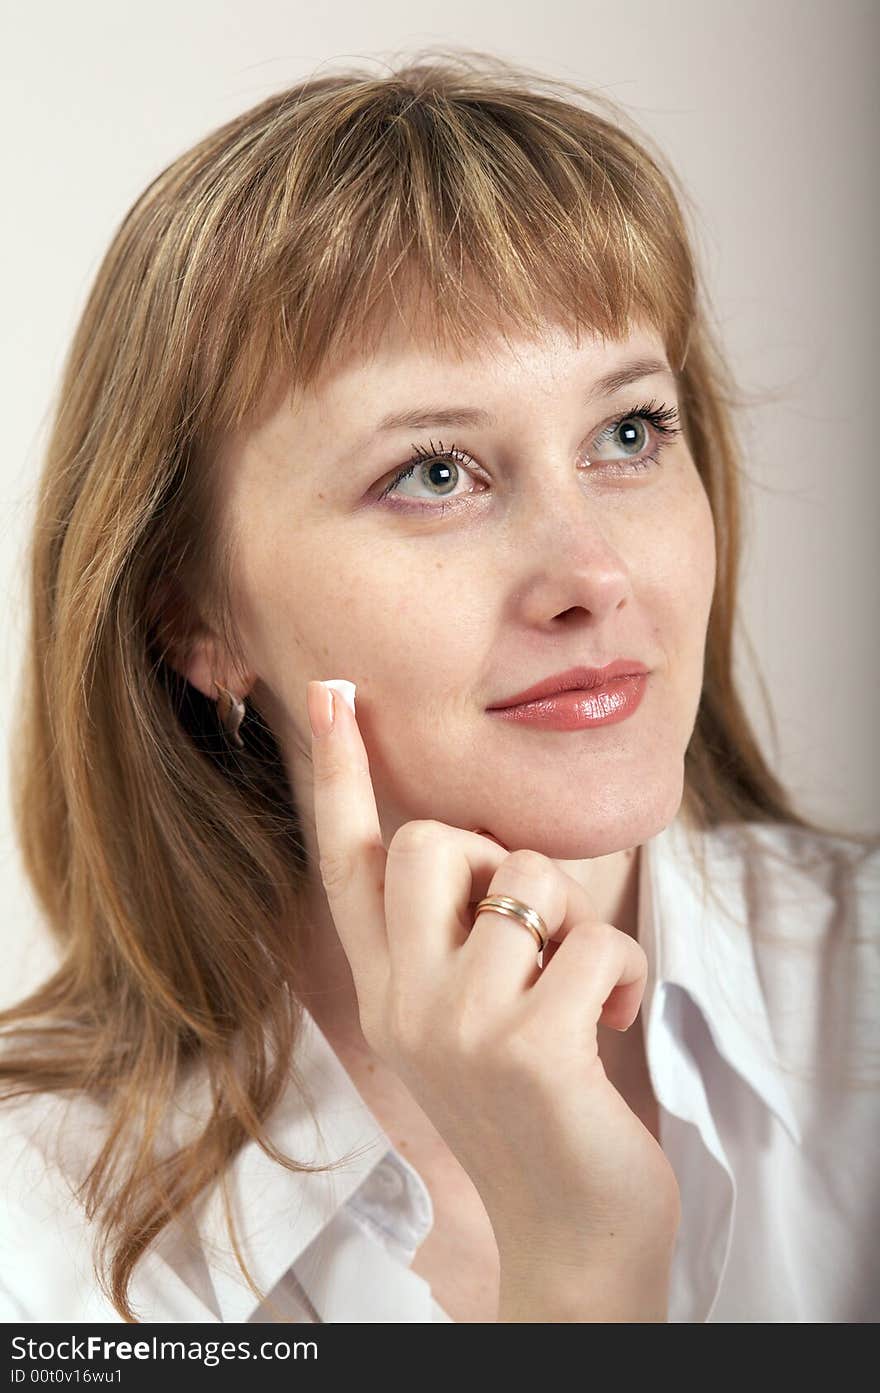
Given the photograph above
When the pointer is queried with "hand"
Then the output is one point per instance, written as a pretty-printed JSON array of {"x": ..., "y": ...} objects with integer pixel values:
[{"x": 500, "y": 1053}]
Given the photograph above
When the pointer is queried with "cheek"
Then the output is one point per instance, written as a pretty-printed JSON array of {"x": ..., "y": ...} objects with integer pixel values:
[
  {"x": 689, "y": 551},
  {"x": 705, "y": 560},
  {"x": 695, "y": 588},
  {"x": 679, "y": 582}
]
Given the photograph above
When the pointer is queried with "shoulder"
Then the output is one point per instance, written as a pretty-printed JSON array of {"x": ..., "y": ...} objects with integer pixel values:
[
  {"x": 824, "y": 886},
  {"x": 806, "y": 924},
  {"x": 807, "y": 891},
  {"x": 46, "y": 1266},
  {"x": 813, "y": 903},
  {"x": 49, "y": 1240}
]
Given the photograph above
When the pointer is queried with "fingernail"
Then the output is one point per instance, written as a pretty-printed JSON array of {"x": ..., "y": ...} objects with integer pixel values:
[{"x": 320, "y": 703}]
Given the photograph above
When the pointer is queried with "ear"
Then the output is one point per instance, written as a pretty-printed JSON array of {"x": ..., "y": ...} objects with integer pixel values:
[{"x": 192, "y": 649}]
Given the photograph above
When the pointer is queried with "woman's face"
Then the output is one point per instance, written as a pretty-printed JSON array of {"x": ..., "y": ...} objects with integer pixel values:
[{"x": 510, "y": 561}]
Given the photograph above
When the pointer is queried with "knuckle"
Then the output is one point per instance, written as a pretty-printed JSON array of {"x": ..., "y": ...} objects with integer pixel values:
[
  {"x": 605, "y": 939},
  {"x": 596, "y": 936},
  {"x": 478, "y": 1048},
  {"x": 594, "y": 929},
  {"x": 466, "y": 1022},
  {"x": 414, "y": 837},
  {"x": 326, "y": 771},
  {"x": 521, "y": 1057},
  {"x": 531, "y": 863},
  {"x": 616, "y": 937},
  {"x": 336, "y": 869},
  {"x": 587, "y": 934},
  {"x": 333, "y": 770}
]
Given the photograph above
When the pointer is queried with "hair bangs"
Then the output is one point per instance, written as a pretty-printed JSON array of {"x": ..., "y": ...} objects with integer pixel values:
[{"x": 447, "y": 219}]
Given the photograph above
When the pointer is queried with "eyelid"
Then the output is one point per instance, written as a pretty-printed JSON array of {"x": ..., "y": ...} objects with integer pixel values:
[
  {"x": 652, "y": 411},
  {"x": 661, "y": 418}
]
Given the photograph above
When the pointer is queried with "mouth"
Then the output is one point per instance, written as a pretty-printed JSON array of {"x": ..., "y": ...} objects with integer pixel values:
[
  {"x": 581, "y": 680},
  {"x": 579, "y": 709}
]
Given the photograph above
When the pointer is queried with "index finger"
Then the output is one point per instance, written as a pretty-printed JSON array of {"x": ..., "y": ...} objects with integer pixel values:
[{"x": 351, "y": 852}]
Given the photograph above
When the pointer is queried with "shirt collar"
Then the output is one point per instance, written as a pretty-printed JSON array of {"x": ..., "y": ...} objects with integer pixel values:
[
  {"x": 698, "y": 934},
  {"x": 691, "y": 941}
]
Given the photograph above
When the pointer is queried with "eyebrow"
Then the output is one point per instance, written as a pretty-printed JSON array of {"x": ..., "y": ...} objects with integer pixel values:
[{"x": 418, "y": 417}]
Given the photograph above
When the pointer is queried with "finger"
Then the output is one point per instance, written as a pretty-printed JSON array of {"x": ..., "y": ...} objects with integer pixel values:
[
  {"x": 434, "y": 877},
  {"x": 599, "y": 973},
  {"x": 500, "y": 950},
  {"x": 552, "y": 943},
  {"x": 349, "y": 838}
]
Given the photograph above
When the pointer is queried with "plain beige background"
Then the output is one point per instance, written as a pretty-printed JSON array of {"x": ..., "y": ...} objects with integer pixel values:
[{"x": 769, "y": 111}]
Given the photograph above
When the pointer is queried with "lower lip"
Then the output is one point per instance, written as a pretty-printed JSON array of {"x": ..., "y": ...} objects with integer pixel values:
[{"x": 601, "y": 706}]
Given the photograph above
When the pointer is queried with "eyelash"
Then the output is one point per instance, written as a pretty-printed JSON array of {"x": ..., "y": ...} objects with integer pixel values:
[{"x": 664, "y": 419}]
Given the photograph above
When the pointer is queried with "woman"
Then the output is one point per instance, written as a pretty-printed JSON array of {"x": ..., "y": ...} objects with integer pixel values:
[{"x": 410, "y": 379}]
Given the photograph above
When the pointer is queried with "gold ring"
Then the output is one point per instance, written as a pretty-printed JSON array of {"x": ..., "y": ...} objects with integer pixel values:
[{"x": 515, "y": 909}]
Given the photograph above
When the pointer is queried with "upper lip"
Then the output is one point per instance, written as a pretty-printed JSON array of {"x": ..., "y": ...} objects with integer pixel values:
[{"x": 574, "y": 679}]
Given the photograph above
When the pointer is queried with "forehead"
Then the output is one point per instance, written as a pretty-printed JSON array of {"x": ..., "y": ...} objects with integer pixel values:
[{"x": 401, "y": 367}]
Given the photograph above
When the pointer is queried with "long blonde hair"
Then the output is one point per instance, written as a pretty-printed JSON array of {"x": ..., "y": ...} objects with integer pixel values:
[{"x": 168, "y": 864}]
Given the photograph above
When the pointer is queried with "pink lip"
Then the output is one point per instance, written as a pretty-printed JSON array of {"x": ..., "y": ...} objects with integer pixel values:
[
  {"x": 577, "y": 710},
  {"x": 581, "y": 679}
]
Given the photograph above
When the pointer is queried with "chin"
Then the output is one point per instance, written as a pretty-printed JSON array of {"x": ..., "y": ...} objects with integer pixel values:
[{"x": 581, "y": 839}]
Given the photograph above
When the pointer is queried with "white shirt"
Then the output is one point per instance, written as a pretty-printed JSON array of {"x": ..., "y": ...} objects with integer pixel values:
[{"x": 779, "y": 1175}]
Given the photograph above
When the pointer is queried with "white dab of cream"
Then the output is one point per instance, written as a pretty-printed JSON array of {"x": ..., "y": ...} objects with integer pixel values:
[{"x": 345, "y": 689}]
